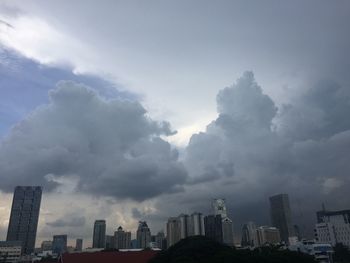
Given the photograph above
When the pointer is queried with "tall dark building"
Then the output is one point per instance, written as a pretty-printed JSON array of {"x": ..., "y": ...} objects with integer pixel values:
[
  {"x": 59, "y": 244},
  {"x": 99, "y": 235},
  {"x": 281, "y": 215},
  {"x": 79, "y": 244},
  {"x": 24, "y": 216},
  {"x": 213, "y": 227},
  {"x": 143, "y": 235}
]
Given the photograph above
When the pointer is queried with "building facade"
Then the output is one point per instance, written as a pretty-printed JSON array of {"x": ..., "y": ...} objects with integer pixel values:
[
  {"x": 99, "y": 234},
  {"x": 122, "y": 239},
  {"x": 333, "y": 227},
  {"x": 213, "y": 227},
  {"x": 10, "y": 251},
  {"x": 281, "y": 217},
  {"x": 24, "y": 217},
  {"x": 219, "y": 207},
  {"x": 79, "y": 244},
  {"x": 143, "y": 235},
  {"x": 249, "y": 235},
  {"x": 46, "y": 245},
  {"x": 59, "y": 244},
  {"x": 197, "y": 224},
  {"x": 173, "y": 227},
  {"x": 268, "y": 235}
]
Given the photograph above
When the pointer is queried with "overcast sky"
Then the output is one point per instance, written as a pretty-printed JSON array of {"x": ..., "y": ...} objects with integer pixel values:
[{"x": 129, "y": 110}]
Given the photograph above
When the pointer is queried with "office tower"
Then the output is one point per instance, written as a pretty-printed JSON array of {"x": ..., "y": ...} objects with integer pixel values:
[
  {"x": 197, "y": 225},
  {"x": 143, "y": 235},
  {"x": 110, "y": 242},
  {"x": 185, "y": 226},
  {"x": 213, "y": 227},
  {"x": 79, "y": 244},
  {"x": 249, "y": 235},
  {"x": 281, "y": 215},
  {"x": 59, "y": 244},
  {"x": 99, "y": 235},
  {"x": 24, "y": 217},
  {"x": 160, "y": 240},
  {"x": 333, "y": 227},
  {"x": 268, "y": 235},
  {"x": 173, "y": 228},
  {"x": 227, "y": 224},
  {"x": 122, "y": 239},
  {"x": 46, "y": 245}
]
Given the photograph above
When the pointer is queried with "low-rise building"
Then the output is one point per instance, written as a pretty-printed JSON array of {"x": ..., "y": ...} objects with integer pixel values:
[
  {"x": 268, "y": 235},
  {"x": 322, "y": 252},
  {"x": 10, "y": 251}
]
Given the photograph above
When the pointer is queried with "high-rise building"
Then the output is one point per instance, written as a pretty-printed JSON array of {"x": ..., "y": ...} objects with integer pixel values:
[
  {"x": 160, "y": 240},
  {"x": 122, "y": 239},
  {"x": 173, "y": 228},
  {"x": 281, "y": 216},
  {"x": 79, "y": 244},
  {"x": 268, "y": 235},
  {"x": 197, "y": 224},
  {"x": 99, "y": 235},
  {"x": 143, "y": 235},
  {"x": 333, "y": 227},
  {"x": 24, "y": 216},
  {"x": 59, "y": 244},
  {"x": 185, "y": 226},
  {"x": 219, "y": 207},
  {"x": 213, "y": 227},
  {"x": 249, "y": 235}
]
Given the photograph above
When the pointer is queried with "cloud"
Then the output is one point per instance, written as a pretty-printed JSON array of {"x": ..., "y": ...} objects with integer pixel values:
[
  {"x": 108, "y": 147},
  {"x": 68, "y": 222}
]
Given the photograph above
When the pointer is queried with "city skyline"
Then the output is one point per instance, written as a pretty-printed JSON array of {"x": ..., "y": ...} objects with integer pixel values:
[{"x": 133, "y": 111}]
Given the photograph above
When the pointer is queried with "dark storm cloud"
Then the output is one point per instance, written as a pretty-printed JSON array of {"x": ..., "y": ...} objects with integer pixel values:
[
  {"x": 109, "y": 148},
  {"x": 301, "y": 149},
  {"x": 68, "y": 222}
]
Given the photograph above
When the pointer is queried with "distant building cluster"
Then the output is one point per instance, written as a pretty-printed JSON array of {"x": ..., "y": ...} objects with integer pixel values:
[{"x": 332, "y": 227}]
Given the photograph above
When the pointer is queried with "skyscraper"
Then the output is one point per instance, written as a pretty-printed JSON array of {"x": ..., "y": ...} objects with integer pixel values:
[
  {"x": 59, "y": 244},
  {"x": 213, "y": 227},
  {"x": 122, "y": 239},
  {"x": 173, "y": 228},
  {"x": 281, "y": 215},
  {"x": 24, "y": 216},
  {"x": 185, "y": 226},
  {"x": 99, "y": 235},
  {"x": 219, "y": 207},
  {"x": 197, "y": 224},
  {"x": 143, "y": 235},
  {"x": 249, "y": 235},
  {"x": 79, "y": 244}
]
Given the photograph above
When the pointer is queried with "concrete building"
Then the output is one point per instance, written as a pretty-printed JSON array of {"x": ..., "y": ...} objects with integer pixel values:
[
  {"x": 213, "y": 227},
  {"x": 160, "y": 240},
  {"x": 143, "y": 235},
  {"x": 197, "y": 224},
  {"x": 185, "y": 226},
  {"x": 99, "y": 234},
  {"x": 321, "y": 252},
  {"x": 268, "y": 235},
  {"x": 46, "y": 245},
  {"x": 110, "y": 242},
  {"x": 24, "y": 217},
  {"x": 10, "y": 251},
  {"x": 333, "y": 227},
  {"x": 59, "y": 244},
  {"x": 219, "y": 207},
  {"x": 122, "y": 239},
  {"x": 249, "y": 235},
  {"x": 78, "y": 244},
  {"x": 281, "y": 216},
  {"x": 173, "y": 227}
]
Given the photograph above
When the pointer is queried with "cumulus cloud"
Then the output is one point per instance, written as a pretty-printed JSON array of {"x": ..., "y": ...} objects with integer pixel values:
[
  {"x": 253, "y": 150},
  {"x": 108, "y": 147}
]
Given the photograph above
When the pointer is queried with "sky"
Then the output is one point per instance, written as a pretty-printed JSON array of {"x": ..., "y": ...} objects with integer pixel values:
[{"x": 142, "y": 110}]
